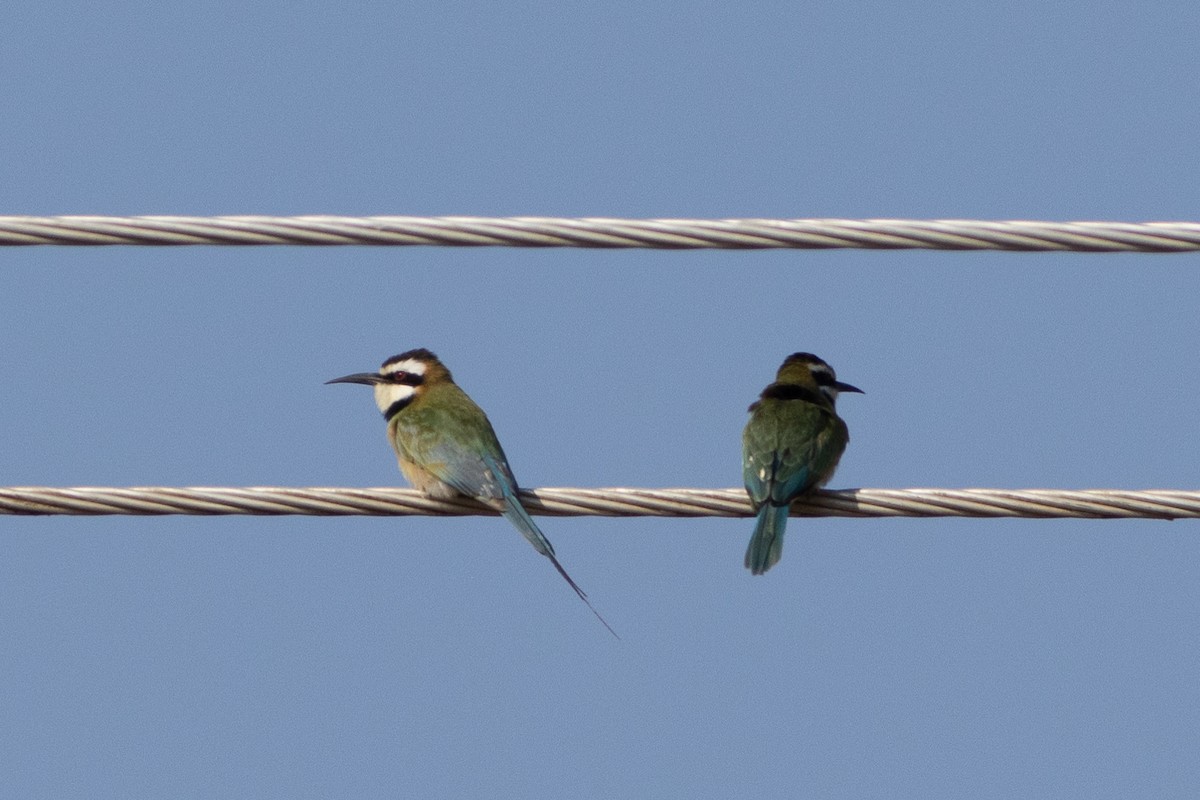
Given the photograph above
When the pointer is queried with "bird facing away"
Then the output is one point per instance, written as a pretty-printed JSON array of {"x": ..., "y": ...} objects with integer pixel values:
[
  {"x": 446, "y": 446},
  {"x": 790, "y": 446}
]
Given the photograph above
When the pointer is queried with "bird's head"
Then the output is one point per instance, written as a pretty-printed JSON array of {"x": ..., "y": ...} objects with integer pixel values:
[
  {"x": 401, "y": 379},
  {"x": 805, "y": 369}
]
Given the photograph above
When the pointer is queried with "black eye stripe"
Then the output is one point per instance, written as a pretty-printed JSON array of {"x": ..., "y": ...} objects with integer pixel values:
[
  {"x": 406, "y": 378},
  {"x": 823, "y": 378}
]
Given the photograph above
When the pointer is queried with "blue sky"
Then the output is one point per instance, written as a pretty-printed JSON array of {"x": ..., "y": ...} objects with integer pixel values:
[{"x": 442, "y": 658}]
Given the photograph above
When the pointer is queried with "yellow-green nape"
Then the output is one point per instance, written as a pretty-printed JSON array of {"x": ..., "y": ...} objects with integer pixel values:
[
  {"x": 800, "y": 368},
  {"x": 805, "y": 361},
  {"x": 804, "y": 358}
]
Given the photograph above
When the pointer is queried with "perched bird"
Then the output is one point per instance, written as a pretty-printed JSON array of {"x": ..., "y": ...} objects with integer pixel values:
[
  {"x": 790, "y": 446},
  {"x": 446, "y": 445}
]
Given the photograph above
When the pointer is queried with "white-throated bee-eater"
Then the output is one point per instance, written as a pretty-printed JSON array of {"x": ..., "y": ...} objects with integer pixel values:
[
  {"x": 790, "y": 446},
  {"x": 446, "y": 445}
]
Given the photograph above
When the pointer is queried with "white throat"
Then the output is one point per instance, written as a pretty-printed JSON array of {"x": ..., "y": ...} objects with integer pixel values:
[{"x": 387, "y": 394}]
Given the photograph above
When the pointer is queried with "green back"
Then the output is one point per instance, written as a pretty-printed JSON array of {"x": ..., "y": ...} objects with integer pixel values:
[{"x": 790, "y": 447}]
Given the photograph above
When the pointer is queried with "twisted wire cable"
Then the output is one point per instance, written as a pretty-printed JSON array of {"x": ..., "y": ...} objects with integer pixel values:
[
  {"x": 608, "y": 502},
  {"x": 600, "y": 232}
]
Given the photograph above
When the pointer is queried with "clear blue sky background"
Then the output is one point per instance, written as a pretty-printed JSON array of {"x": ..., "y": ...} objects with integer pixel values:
[{"x": 442, "y": 658}]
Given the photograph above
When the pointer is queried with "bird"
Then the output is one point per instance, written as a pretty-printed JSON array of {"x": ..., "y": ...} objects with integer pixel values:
[
  {"x": 446, "y": 446},
  {"x": 790, "y": 446}
]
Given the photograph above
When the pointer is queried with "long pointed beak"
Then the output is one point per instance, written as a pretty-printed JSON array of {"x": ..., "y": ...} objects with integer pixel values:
[
  {"x": 841, "y": 387},
  {"x": 366, "y": 378}
]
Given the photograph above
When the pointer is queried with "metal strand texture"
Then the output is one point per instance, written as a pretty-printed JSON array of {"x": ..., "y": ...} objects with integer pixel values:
[
  {"x": 891, "y": 234},
  {"x": 607, "y": 502}
]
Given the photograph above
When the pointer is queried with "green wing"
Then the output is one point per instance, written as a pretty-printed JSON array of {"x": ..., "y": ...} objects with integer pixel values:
[
  {"x": 788, "y": 448},
  {"x": 449, "y": 436}
]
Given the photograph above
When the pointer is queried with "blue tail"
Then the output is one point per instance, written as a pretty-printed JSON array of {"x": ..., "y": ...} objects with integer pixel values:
[
  {"x": 766, "y": 543},
  {"x": 515, "y": 513}
]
